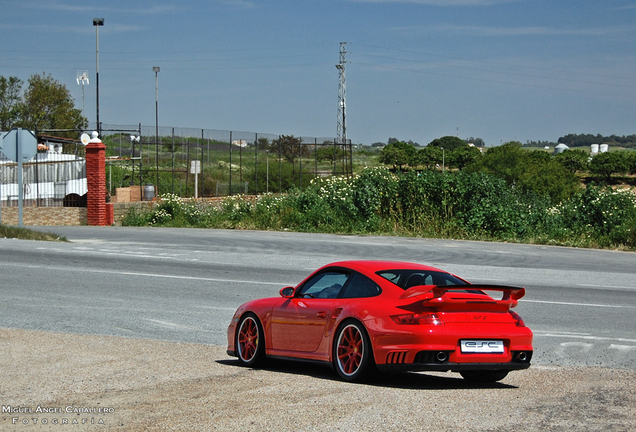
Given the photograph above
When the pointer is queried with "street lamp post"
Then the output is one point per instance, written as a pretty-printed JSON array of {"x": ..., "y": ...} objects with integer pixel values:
[
  {"x": 97, "y": 22},
  {"x": 156, "y": 70}
]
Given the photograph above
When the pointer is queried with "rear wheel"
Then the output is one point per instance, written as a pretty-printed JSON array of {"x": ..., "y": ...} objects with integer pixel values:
[
  {"x": 352, "y": 354},
  {"x": 484, "y": 376},
  {"x": 250, "y": 343}
]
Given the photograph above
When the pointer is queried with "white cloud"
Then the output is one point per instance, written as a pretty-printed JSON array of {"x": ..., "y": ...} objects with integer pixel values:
[
  {"x": 67, "y": 7},
  {"x": 441, "y": 2},
  {"x": 516, "y": 31},
  {"x": 244, "y": 4}
]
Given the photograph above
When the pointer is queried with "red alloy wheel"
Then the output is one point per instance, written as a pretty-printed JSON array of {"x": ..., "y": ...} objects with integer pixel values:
[
  {"x": 248, "y": 339},
  {"x": 350, "y": 350}
]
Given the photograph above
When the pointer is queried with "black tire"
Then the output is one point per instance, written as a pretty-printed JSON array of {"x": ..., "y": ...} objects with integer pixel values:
[
  {"x": 352, "y": 352},
  {"x": 250, "y": 341},
  {"x": 484, "y": 376}
]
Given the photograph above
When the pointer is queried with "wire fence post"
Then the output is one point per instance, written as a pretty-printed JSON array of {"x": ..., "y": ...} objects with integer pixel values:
[
  {"x": 256, "y": 164},
  {"x": 280, "y": 165},
  {"x": 300, "y": 162},
  {"x": 230, "y": 193}
]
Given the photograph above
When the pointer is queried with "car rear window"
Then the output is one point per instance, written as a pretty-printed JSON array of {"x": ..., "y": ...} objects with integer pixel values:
[{"x": 406, "y": 279}]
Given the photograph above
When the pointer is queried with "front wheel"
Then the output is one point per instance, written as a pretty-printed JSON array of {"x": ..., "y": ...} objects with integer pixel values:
[
  {"x": 484, "y": 376},
  {"x": 250, "y": 343},
  {"x": 352, "y": 353}
]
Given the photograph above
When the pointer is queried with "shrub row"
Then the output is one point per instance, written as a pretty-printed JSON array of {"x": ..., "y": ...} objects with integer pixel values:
[{"x": 457, "y": 205}]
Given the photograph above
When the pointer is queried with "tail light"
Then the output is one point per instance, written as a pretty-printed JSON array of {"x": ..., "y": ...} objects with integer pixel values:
[
  {"x": 518, "y": 321},
  {"x": 427, "y": 318}
]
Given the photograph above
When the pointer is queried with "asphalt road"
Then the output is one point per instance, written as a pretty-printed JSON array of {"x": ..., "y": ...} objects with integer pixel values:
[{"x": 184, "y": 284}]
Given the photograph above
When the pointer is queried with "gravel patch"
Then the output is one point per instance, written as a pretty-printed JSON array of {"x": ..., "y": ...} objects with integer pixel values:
[{"x": 113, "y": 383}]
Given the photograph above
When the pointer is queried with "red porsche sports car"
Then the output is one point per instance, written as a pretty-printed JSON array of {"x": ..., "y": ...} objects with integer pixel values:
[{"x": 393, "y": 316}]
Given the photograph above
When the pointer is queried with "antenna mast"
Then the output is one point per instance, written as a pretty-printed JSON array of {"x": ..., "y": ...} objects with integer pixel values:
[{"x": 342, "y": 96}]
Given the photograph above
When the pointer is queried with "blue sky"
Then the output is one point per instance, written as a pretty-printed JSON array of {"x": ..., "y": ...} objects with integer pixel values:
[{"x": 416, "y": 69}]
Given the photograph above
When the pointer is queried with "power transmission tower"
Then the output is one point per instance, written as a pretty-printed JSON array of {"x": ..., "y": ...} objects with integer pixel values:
[
  {"x": 342, "y": 109},
  {"x": 342, "y": 93}
]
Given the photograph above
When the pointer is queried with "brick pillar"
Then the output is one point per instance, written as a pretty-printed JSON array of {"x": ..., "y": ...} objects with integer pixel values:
[{"x": 96, "y": 181}]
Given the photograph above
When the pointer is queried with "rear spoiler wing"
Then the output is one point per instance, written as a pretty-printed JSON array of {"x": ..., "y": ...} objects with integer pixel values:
[{"x": 510, "y": 294}]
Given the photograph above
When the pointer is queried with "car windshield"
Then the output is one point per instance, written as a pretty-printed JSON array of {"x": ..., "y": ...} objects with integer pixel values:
[{"x": 406, "y": 279}]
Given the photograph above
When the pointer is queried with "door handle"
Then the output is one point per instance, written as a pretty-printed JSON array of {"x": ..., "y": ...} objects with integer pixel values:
[{"x": 321, "y": 314}]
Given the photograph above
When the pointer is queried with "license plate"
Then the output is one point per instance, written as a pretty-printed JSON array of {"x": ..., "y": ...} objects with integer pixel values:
[{"x": 482, "y": 346}]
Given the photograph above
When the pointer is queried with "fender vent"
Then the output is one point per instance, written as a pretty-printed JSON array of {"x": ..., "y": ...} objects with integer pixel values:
[{"x": 395, "y": 357}]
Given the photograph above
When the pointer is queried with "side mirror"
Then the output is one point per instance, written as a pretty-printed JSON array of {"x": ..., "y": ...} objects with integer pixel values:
[{"x": 287, "y": 292}]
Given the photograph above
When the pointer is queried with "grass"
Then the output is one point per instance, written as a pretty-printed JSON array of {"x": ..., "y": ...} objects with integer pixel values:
[{"x": 27, "y": 234}]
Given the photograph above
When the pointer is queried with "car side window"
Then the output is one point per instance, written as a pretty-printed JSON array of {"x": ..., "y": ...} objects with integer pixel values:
[
  {"x": 360, "y": 286},
  {"x": 324, "y": 285}
]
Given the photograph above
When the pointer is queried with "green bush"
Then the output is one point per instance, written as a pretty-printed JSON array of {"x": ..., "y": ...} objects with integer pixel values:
[
  {"x": 433, "y": 204},
  {"x": 608, "y": 163},
  {"x": 534, "y": 172}
]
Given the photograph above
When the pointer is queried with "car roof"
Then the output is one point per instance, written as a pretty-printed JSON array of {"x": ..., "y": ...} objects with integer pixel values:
[{"x": 376, "y": 266}]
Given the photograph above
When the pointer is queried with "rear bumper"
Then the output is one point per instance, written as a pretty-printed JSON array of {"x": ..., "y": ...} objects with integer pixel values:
[
  {"x": 452, "y": 361},
  {"x": 453, "y": 367}
]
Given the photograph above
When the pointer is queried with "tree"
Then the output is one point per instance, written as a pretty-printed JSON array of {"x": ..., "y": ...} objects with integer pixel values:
[
  {"x": 573, "y": 160},
  {"x": 532, "y": 171},
  {"x": 392, "y": 140},
  {"x": 631, "y": 158},
  {"x": 506, "y": 161},
  {"x": 462, "y": 157},
  {"x": 289, "y": 147},
  {"x": 429, "y": 157},
  {"x": 549, "y": 178},
  {"x": 608, "y": 163},
  {"x": 262, "y": 143},
  {"x": 477, "y": 141},
  {"x": 448, "y": 142},
  {"x": 47, "y": 104},
  {"x": 397, "y": 154},
  {"x": 329, "y": 153},
  {"x": 10, "y": 100}
]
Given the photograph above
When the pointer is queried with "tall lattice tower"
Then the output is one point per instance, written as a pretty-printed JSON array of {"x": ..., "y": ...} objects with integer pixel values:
[{"x": 342, "y": 96}]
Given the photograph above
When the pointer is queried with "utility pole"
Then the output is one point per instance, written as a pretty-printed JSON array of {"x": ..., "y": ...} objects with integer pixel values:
[
  {"x": 342, "y": 99},
  {"x": 156, "y": 70}
]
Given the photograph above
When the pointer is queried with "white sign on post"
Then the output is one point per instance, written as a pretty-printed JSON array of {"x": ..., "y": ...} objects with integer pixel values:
[
  {"x": 23, "y": 138},
  {"x": 195, "y": 168}
]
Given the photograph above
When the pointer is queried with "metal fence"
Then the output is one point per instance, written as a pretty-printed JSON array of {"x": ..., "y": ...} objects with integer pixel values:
[
  {"x": 204, "y": 162},
  {"x": 182, "y": 161},
  {"x": 55, "y": 177}
]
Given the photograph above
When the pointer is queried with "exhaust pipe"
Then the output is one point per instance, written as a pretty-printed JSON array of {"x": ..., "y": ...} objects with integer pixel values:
[
  {"x": 522, "y": 356},
  {"x": 441, "y": 357}
]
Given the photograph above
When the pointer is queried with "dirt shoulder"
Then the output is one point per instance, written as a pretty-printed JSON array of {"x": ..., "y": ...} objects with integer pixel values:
[{"x": 111, "y": 383}]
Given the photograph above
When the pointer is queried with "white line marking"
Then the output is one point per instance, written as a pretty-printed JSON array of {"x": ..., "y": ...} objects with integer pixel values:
[
  {"x": 215, "y": 308},
  {"x": 192, "y": 278},
  {"x": 577, "y": 304},
  {"x": 114, "y": 272},
  {"x": 171, "y": 325},
  {"x": 605, "y": 286},
  {"x": 582, "y": 336},
  {"x": 622, "y": 347}
]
